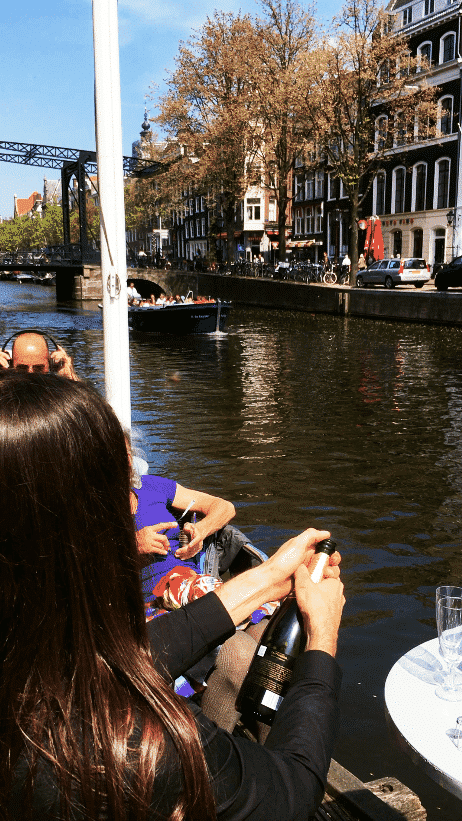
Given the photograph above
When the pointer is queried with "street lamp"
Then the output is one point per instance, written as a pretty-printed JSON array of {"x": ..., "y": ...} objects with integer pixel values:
[{"x": 450, "y": 218}]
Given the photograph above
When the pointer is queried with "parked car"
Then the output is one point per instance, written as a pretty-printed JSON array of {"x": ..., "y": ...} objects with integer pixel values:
[
  {"x": 391, "y": 272},
  {"x": 449, "y": 275}
]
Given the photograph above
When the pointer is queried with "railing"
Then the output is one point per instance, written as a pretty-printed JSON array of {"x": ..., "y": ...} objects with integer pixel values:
[{"x": 52, "y": 254}]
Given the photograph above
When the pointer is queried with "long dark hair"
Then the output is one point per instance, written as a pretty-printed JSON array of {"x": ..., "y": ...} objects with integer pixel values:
[{"x": 77, "y": 680}]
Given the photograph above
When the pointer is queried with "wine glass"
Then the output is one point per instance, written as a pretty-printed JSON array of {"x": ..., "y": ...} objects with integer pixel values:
[
  {"x": 446, "y": 590},
  {"x": 449, "y": 624}
]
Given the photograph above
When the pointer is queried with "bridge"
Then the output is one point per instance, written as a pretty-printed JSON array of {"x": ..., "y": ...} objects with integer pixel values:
[{"x": 72, "y": 162}]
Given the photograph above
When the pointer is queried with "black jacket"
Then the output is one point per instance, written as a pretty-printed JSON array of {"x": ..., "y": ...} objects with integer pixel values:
[{"x": 284, "y": 779}]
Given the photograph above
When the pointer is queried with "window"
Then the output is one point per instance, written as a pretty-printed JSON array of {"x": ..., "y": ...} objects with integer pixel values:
[
  {"x": 191, "y": 206},
  {"x": 309, "y": 186},
  {"x": 299, "y": 186},
  {"x": 424, "y": 55},
  {"x": 203, "y": 226},
  {"x": 447, "y": 48},
  {"x": 379, "y": 192},
  {"x": 407, "y": 16},
  {"x": 400, "y": 129},
  {"x": 298, "y": 161},
  {"x": 442, "y": 183},
  {"x": 191, "y": 228},
  {"x": 198, "y": 228},
  {"x": 429, "y": 7},
  {"x": 381, "y": 128},
  {"x": 399, "y": 185},
  {"x": 203, "y": 203},
  {"x": 384, "y": 73},
  {"x": 272, "y": 210},
  {"x": 418, "y": 242},
  {"x": 299, "y": 221},
  {"x": 334, "y": 186},
  {"x": 319, "y": 184},
  {"x": 318, "y": 219},
  {"x": 404, "y": 65},
  {"x": 445, "y": 115},
  {"x": 309, "y": 220},
  {"x": 186, "y": 230},
  {"x": 419, "y": 187},
  {"x": 197, "y": 205},
  {"x": 253, "y": 209}
]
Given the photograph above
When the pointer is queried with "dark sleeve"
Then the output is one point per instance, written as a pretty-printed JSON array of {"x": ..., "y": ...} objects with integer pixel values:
[
  {"x": 180, "y": 638},
  {"x": 285, "y": 778}
]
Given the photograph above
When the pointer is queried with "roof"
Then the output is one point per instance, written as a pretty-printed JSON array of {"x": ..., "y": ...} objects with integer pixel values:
[{"x": 25, "y": 206}]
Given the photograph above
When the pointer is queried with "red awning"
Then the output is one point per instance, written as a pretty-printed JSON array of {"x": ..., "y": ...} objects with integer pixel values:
[{"x": 373, "y": 246}]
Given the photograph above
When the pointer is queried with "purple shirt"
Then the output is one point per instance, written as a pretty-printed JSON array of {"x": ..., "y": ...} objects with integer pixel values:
[{"x": 154, "y": 499}]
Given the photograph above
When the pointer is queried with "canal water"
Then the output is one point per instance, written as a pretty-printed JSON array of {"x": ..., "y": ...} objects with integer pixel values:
[{"x": 351, "y": 425}]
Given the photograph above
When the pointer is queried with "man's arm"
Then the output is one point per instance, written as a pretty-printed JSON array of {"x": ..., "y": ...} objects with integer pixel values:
[
  {"x": 216, "y": 513},
  {"x": 62, "y": 364}
]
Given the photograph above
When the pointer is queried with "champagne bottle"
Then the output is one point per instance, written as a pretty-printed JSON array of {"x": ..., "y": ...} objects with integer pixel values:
[{"x": 270, "y": 671}]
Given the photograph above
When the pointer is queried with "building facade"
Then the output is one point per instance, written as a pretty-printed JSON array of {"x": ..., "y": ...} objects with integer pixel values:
[{"x": 418, "y": 192}]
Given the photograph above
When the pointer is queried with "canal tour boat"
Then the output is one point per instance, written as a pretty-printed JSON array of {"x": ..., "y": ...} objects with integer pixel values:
[{"x": 180, "y": 318}]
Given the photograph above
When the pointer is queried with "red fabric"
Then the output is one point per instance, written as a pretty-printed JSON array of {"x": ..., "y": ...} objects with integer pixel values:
[{"x": 373, "y": 246}]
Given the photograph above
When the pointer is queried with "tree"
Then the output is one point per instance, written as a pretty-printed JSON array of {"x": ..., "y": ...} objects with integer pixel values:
[
  {"x": 370, "y": 82},
  {"x": 52, "y": 224},
  {"x": 28, "y": 232},
  {"x": 206, "y": 114},
  {"x": 285, "y": 65}
]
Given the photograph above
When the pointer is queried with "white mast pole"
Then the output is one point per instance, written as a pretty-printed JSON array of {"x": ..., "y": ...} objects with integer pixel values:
[{"x": 112, "y": 213}]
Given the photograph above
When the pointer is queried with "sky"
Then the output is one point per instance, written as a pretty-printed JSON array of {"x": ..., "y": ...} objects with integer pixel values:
[{"x": 46, "y": 89}]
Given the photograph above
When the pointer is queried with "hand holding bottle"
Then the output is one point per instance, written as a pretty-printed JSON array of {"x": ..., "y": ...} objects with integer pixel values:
[
  {"x": 321, "y": 607},
  {"x": 273, "y": 580}
]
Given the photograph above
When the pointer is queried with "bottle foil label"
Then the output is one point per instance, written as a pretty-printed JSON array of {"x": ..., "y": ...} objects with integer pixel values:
[{"x": 271, "y": 700}]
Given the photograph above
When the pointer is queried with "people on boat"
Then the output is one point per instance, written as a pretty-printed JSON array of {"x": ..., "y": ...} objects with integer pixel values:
[
  {"x": 91, "y": 727},
  {"x": 30, "y": 353},
  {"x": 132, "y": 294}
]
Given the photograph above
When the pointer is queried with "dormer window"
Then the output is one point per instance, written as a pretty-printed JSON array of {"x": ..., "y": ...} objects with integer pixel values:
[{"x": 407, "y": 16}]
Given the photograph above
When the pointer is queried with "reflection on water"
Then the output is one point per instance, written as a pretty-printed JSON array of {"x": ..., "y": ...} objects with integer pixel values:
[{"x": 346, "y": 424}]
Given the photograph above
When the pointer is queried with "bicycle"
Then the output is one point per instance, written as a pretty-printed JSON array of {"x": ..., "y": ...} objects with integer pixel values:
[{"x": 329, "y": 277}]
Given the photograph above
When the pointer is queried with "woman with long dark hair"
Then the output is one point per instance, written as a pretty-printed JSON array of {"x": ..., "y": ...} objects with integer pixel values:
[{"x": 90, "y": 727}]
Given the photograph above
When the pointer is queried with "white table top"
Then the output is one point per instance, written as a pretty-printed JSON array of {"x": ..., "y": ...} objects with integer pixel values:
[{"x": 425, "y": 724}]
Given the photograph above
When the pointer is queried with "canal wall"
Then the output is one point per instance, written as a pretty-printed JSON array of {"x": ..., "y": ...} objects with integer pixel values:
[
  {"x": 409, "y": 306},
  {"x": 378, "y": 303}
]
